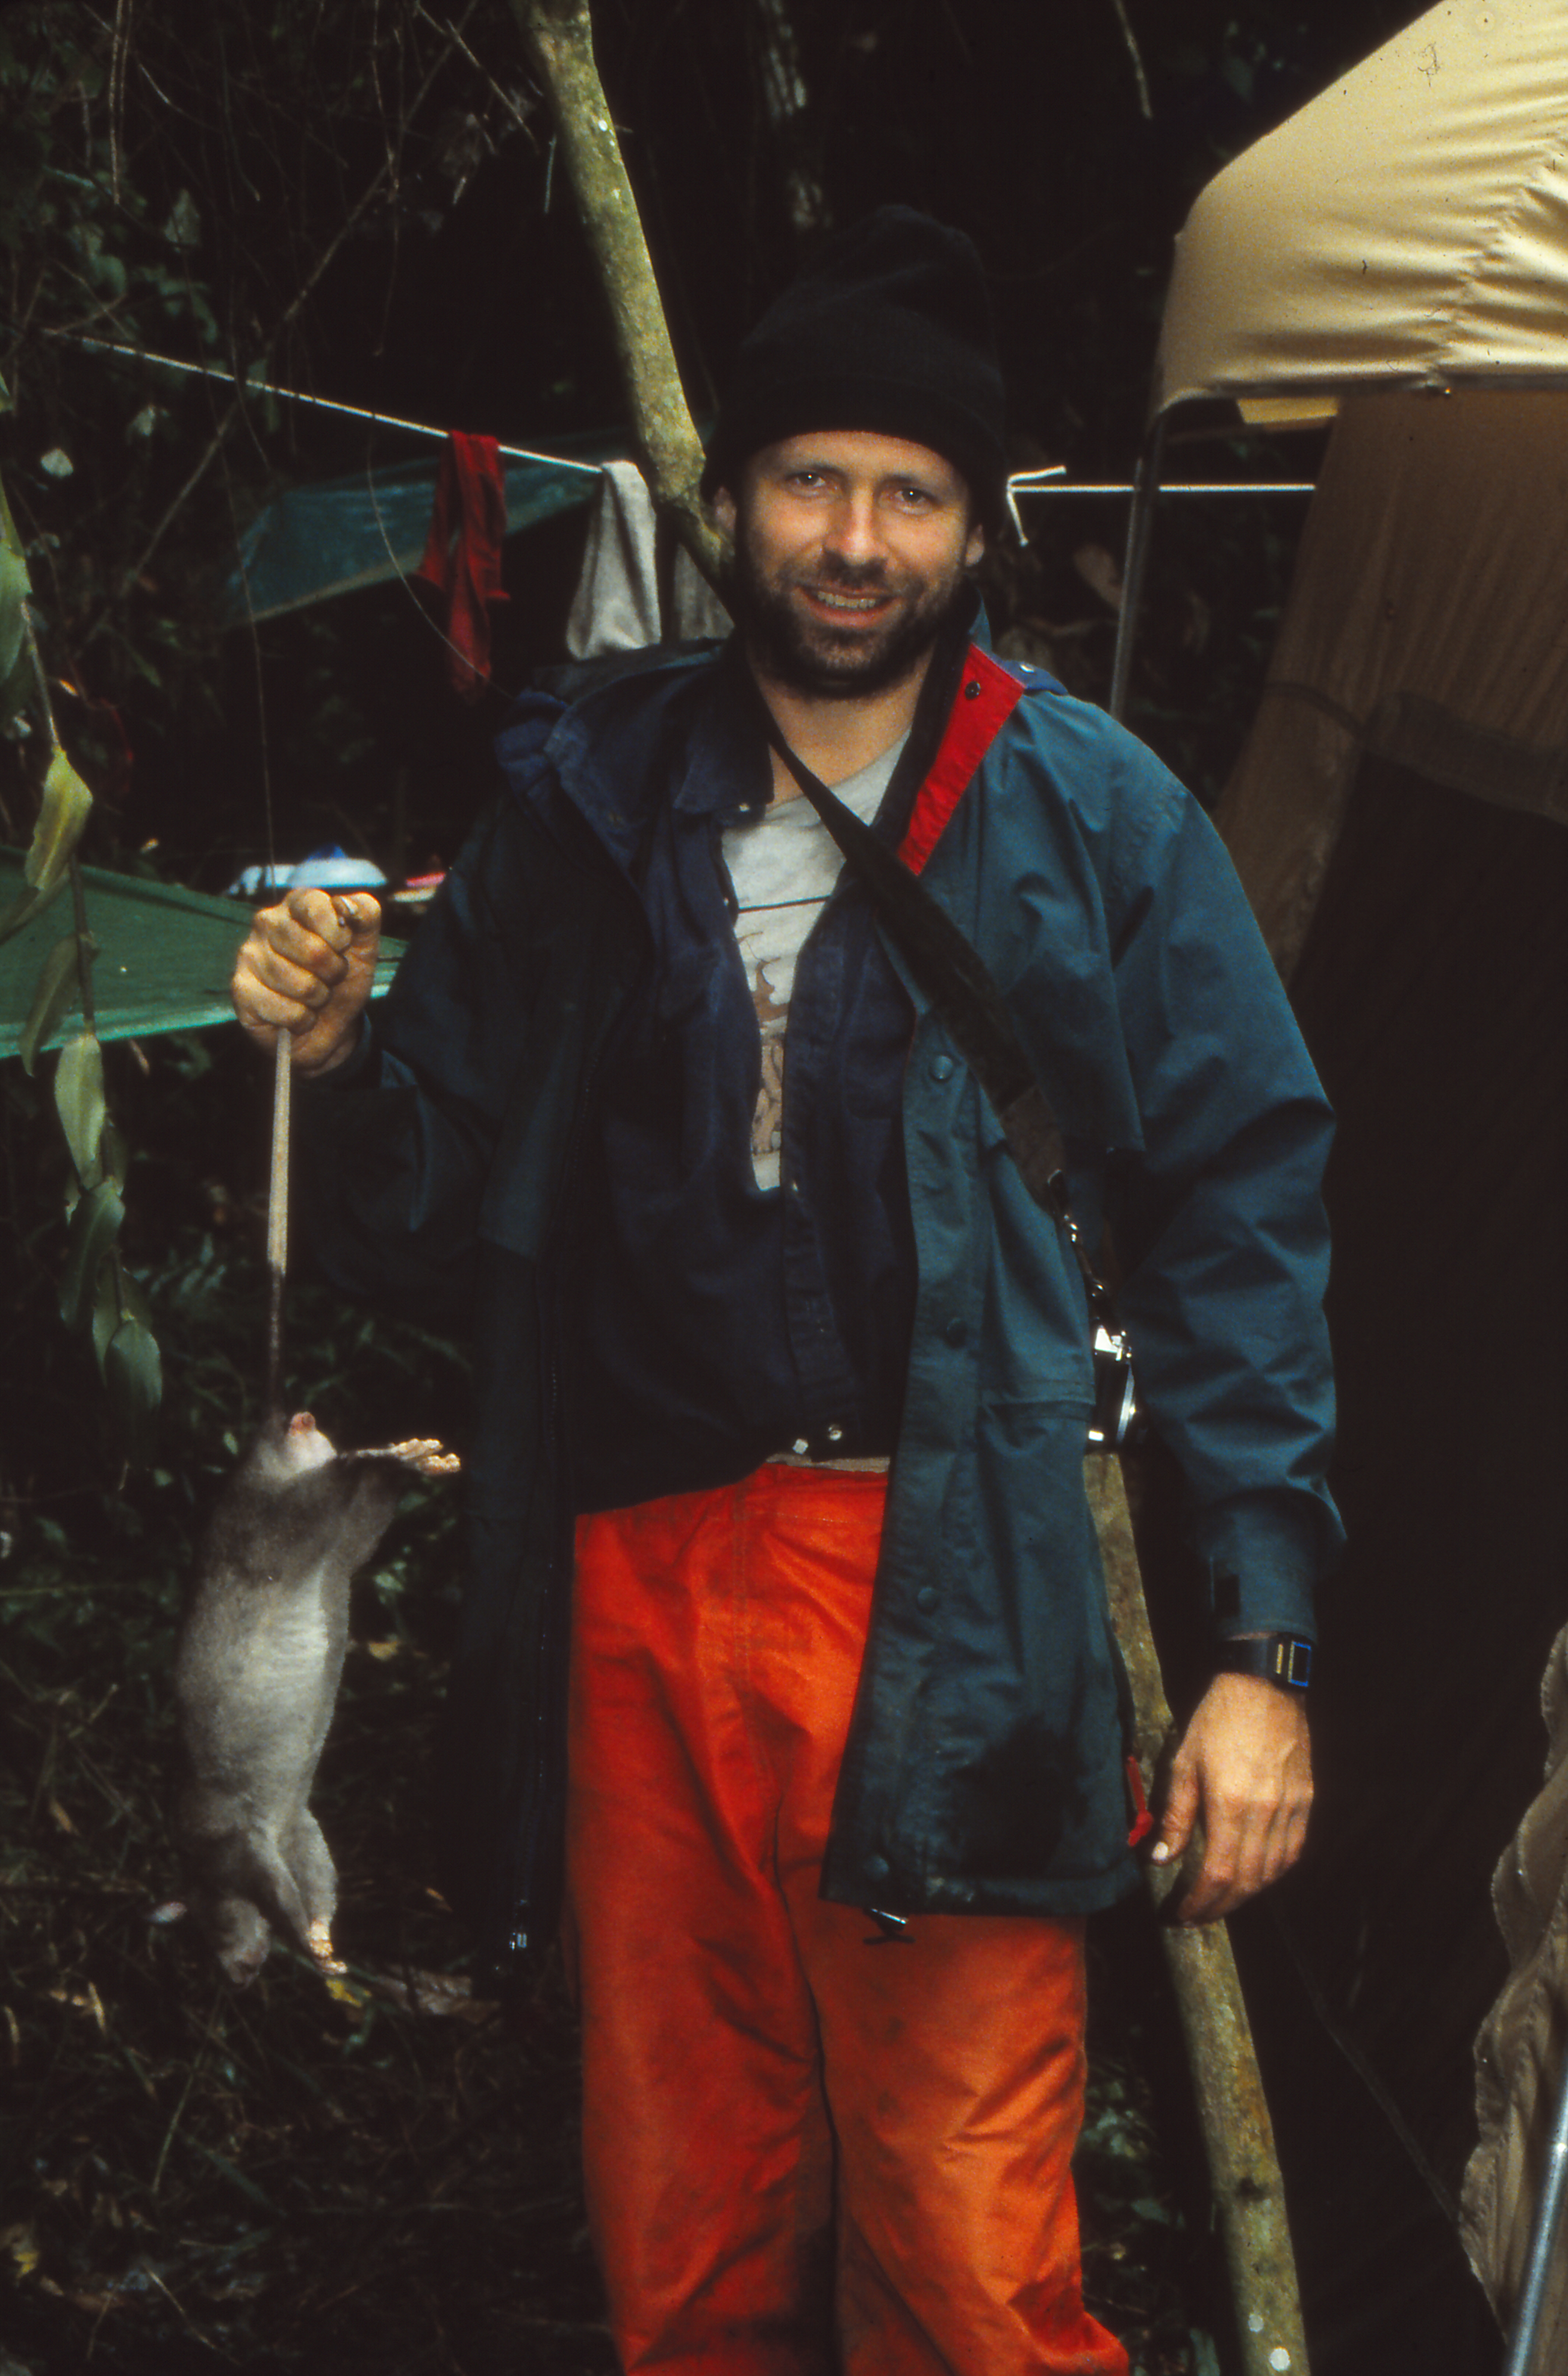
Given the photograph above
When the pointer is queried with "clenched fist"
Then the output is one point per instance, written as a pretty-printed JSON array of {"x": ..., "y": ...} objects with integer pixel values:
[{"x": 306, "y": 968}]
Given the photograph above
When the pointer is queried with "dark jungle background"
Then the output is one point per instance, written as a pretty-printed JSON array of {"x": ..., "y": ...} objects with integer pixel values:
[{"x": 358, "y": 199}]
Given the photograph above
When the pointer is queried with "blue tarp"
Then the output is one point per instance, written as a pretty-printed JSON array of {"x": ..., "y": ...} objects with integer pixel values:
[{"x": 315, "y": 541}]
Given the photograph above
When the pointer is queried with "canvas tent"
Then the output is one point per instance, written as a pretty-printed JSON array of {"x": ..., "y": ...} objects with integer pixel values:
[{"x": 1395, "y": 258}]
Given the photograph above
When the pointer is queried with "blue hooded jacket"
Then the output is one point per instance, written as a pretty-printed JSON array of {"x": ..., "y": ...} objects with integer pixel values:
[{"x": 984, "y": 1770}]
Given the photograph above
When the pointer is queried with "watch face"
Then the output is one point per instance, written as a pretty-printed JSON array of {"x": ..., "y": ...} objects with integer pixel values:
[
  {"x": 1294, "y": 1667},
  {"x": 1281, "y": 1658}
]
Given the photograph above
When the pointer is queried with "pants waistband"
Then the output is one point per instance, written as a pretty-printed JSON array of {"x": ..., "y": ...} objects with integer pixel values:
[{"x": 875, "y": 1464}]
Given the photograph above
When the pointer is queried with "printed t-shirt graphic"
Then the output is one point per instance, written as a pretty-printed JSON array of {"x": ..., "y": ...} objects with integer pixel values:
[{"x": 783, "y": 866}]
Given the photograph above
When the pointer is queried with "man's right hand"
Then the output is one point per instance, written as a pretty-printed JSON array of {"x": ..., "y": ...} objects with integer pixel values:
[{"x": 306, "y": 968}]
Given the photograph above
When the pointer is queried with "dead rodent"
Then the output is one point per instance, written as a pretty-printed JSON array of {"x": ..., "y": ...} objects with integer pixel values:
[{"x": 256, "y": 1678}]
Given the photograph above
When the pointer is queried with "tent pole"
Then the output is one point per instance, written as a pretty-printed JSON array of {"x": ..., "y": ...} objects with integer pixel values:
[
  {"x": 1140, "y": 521},
  {"x": 1543, "y": 2239}
]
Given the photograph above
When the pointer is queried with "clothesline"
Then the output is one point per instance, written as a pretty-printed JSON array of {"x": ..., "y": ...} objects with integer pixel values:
[
  {"x": 1051, "y": 480},
  {"x": 322, "y": 403},
  {"x": 1052, "y": 483}
]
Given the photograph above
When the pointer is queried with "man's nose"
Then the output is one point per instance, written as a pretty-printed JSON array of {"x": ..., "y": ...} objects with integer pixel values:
[{"x": 853, "y": 535}]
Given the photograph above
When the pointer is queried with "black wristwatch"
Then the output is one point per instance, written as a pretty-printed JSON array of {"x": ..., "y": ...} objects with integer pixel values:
[{"x": 1283, "y": 1659}]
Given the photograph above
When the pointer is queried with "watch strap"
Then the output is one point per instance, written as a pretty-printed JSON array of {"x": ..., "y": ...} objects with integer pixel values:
[{"x": 1284, "y": 1659}]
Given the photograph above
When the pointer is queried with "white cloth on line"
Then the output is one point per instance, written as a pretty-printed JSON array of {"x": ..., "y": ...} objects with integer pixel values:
[{"x": 615, "y": 608}]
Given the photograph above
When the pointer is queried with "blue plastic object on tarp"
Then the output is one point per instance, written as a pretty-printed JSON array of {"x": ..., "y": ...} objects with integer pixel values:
[
  {"x": 312, "y": 542},
  {"x": 164, "y": 956}
]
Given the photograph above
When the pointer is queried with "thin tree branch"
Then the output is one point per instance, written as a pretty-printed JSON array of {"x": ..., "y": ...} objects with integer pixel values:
[
  {"x": 1145, "y": 105},
  {"x": 1243, "y": 2167},
  {"x": 559, "y": 37}
]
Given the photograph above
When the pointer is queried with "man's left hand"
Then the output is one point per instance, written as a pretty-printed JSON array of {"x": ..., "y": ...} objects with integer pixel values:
[{"x": 1244, "y": 1770}]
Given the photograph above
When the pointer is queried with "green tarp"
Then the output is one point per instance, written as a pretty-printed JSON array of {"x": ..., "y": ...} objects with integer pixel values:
[
  {"x": 164, "y": 956},
  {"x": 341, "y": 534}
]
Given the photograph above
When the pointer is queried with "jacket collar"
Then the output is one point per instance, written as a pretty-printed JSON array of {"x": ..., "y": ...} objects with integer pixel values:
[{"x": 690, "y": 733}]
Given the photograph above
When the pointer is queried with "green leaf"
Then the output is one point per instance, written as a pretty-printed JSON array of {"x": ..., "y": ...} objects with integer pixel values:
[
  {"x": 67, "y": 804},
  {"x": 57, "y": 985},
  {"x": 106, "y": 1315},
  {"x": 30, "y": 904},
  {"x": 115, "y": 1156},
  {"x": 16, "y": 689},
  {"x": 134, "y": 1371},
  {"x": 133, "y": 1304},
  {"x": 184, "y": 226},
  {"x": 14, "y": 591},
  {"x": 82, "y": 1104},
  {"x": 95, "y": 1225}
]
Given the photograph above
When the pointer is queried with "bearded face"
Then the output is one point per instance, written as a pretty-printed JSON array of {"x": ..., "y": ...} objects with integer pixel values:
[{"x": 850, "y": 552}]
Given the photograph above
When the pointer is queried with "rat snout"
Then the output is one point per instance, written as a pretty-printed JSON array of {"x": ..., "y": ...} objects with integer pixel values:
[{"x": 304, "y": 1446}]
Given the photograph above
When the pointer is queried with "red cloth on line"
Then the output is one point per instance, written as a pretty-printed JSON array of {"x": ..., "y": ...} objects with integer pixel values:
[
  {"x": 806, "y": 2146},
  {"x": 462, "y": 555}
]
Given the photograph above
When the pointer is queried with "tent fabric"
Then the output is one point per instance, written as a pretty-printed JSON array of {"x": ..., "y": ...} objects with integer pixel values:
[
  {"x": 1424, "y": 625},
  {"x": 1520, "y": 2061},
  {"x": 1410, "y": 225},
  {"x": 1398, "y": 252},
  {"x": 164, "y": 957},
  {"x": 1433, "y": 998},
  {"x": 315, "y": 541}
]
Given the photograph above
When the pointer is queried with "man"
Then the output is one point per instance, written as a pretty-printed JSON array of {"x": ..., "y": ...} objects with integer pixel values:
[{"x": 761, "y": 1303}]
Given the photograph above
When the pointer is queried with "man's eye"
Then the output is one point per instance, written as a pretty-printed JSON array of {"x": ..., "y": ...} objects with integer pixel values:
[{"x": 916, "y": 498}]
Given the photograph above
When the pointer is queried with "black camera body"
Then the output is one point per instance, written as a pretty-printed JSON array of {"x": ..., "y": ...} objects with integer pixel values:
[{"x": 1116, "y": 1419}]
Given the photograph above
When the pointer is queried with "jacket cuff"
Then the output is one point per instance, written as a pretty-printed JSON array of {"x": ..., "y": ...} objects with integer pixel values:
[
  {"x": 351, "y": 1070},
  {"x": 1263, "y": 1557}
]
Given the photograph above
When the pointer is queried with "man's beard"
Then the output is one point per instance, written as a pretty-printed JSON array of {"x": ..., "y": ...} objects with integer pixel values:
[{"x": 813, "y": 656}]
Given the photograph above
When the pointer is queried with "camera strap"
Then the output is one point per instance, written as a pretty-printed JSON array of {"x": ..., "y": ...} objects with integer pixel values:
[{"x": 959, "y": 985}]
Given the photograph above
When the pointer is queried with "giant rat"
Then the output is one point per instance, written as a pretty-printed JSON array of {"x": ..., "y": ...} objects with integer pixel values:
[{"x": 256, "y": 1677}]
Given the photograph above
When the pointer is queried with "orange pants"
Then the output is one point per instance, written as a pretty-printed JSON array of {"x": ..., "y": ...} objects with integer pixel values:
[{"x": 806, "y": 2147}]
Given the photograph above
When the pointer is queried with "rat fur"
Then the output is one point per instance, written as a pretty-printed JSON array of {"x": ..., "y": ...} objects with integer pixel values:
[{"x": 256, "y": 1678}]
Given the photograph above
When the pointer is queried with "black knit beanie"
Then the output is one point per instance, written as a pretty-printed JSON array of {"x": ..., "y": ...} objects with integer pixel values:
[{"x": 889, "y": 330}]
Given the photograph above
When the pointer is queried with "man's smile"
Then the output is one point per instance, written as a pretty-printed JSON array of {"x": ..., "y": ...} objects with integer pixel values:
[
  {"x": 843, "y": 605},
  {"x": 835, "y": 600}
]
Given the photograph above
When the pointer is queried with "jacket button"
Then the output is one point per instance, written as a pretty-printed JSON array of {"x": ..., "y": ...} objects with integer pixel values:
[
  {"x": 942, "y": 1068},
  {"x": 973, "y": 690},
  {"x": 925, "y": 1598},
  {"x": 877, "y": 1868},
  {"x": 956, "y": 1331}
]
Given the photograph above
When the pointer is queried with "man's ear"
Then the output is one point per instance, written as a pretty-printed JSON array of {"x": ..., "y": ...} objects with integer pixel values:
[
  {"x": 975, "y": 547},
  {"x": 723, "y": 510}
]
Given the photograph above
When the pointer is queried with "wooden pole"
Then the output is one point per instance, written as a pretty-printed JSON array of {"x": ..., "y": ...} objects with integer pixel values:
[
  {"x": 559, "y": 36},
  {"x": 1243, "y": 2167}
]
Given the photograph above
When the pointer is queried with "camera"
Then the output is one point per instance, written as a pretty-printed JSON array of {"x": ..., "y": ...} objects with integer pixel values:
[{"x": 1116, "y": 1419}]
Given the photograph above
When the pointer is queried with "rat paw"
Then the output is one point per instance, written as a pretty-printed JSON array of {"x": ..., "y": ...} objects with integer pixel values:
[
  {"x": 424, "y": 1455},
  {"x": 321, "y": 1949}
]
